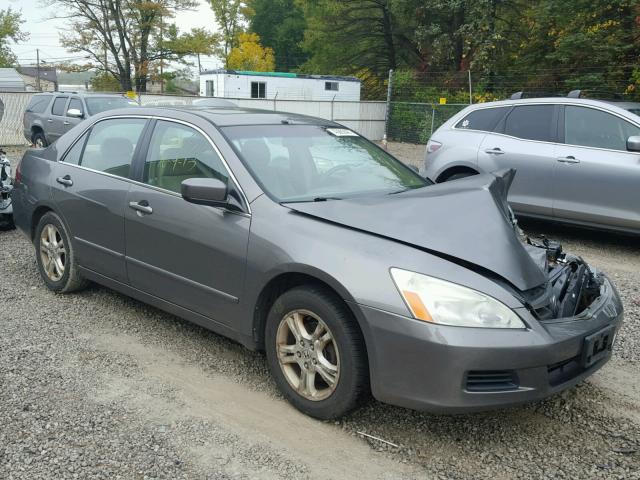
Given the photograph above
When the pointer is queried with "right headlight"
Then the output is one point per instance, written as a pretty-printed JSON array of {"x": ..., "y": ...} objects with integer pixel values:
[{"x": 438, "y": 301}]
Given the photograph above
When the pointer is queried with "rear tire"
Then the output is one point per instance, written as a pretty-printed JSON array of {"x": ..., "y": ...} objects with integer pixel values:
[
  {"x": 39, "y": 140},
  {"x": 55, "y": 256},
  {"x": 322, "y": 370}
]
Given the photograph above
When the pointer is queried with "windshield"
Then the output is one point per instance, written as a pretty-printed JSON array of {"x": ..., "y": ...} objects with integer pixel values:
[
  {"x": 309, "y": 162},
  {"x": 101, "y": 104}
]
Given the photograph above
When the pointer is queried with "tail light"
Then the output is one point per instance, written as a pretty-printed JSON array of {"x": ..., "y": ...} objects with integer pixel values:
[
  {"x": 18, "y": 174},
  {"x": 433, "y": 146}
]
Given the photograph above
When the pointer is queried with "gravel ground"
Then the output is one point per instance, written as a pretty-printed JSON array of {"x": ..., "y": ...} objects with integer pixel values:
[{"x": 97, "y": 385}]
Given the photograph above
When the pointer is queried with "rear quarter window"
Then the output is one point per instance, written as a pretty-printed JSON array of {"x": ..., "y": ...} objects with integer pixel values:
[
  {"x": 484, "y": 119},
  {"x": 38, "y": 103}
]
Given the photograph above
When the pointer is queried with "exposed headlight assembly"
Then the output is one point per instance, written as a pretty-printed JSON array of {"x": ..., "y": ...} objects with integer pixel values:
[{"x": 438, "y": 301}]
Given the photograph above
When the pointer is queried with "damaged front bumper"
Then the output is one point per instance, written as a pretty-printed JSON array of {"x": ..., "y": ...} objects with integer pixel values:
[{"x": 447, "y": 369}]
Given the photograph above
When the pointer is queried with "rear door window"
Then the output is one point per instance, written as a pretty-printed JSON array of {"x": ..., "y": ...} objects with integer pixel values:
[
  {"x": 531, "y": 122},
  {"x": 73, "y": 155},
  {"x": 111, "y": 145},
  {"x": 589, "y": 127},
  {"x": 58, "y": 106},
  {"x": 484, "y": 119}
]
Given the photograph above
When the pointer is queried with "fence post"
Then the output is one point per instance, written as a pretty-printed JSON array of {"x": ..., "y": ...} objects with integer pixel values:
[
  {"x": 470, "y": 90},
  {"x": 433, "y": 117},
  {"x": 388, "y": 109},
  {"x": 332, "y": 100},
  {"x": 274, "y": 101}
]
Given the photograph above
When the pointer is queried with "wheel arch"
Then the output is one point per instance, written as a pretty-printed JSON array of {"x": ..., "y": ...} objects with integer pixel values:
[
  {"x": 448, "y": 172},
  {"x": 283, "y": 281}
]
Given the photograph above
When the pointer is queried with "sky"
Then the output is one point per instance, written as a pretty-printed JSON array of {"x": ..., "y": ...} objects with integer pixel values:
[{"x": 43, "y": 31}]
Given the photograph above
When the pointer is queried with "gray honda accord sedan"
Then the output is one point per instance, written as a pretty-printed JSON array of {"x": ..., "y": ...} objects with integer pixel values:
[{"x": 299, "y": 237}]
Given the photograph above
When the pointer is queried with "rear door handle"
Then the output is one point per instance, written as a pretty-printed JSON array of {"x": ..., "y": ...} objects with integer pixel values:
[
  {"x": 142, "y": 207},
  {"x": 66, "y": 180},
  {"x": 568, "y": 159},
  {"x": 66, "y": 123},
  {"x": 494, "y": 151}
]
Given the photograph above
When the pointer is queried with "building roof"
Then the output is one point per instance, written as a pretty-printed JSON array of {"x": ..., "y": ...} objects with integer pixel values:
[
  {"x": 46, "y": 73},
  {"x": 11, "y": 81},
  {"x": 282, "y": 75}
]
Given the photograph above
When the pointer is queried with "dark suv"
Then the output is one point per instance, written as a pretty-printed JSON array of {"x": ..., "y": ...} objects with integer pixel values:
[{"x": 50, "y": 115}]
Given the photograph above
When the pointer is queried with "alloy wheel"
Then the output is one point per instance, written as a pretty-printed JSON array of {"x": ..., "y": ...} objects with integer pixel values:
[
  {"x": 308, "y": 355},
  {"x": 52, "y": 252}
]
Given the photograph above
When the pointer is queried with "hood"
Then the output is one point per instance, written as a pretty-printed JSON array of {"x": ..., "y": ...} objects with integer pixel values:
[{"x": 465, "y": 221}]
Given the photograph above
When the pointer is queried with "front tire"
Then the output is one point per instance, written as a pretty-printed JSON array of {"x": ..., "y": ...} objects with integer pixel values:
[
  {"x": 55, "y": 256},
  {"x": 316, "y": 352}
]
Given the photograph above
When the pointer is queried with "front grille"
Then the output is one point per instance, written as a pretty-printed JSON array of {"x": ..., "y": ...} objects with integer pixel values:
[{"x": 491, "y": 381}]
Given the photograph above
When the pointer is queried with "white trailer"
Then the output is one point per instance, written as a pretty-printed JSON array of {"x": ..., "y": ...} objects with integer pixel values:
[{"x": 277, "y": 85}]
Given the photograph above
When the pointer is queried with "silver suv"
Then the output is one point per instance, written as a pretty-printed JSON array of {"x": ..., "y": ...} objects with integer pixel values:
[
  {"x": 50, "y": 115},
  {"x": 577, "y": 160}
]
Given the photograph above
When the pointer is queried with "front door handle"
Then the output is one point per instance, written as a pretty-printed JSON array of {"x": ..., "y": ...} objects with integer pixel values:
[
  {"x": 49, "y": 120},
  {"x": 66, "y": 180},
  {"x": 568, "y": 159},
  {"x": 66, "y": 123},
  {"x": 141, "y": 207},
  {"x": 494, "y": 151}
]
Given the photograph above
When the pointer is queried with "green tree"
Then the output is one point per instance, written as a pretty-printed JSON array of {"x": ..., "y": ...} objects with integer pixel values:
[
  {"x": 105, "y": 82},
  {"x": 281, "y": 26},
  {"x": 123, "y": 37},
  {"x": 10, "y": 22},
  {"x": 196, "y": 42},
  {"x": 231, "y": 16}
]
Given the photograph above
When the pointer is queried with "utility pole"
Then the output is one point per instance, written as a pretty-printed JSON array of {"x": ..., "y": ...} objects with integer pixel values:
[
  {"x": 38, "y": 69},
  {"x": 470, "y": 90}
]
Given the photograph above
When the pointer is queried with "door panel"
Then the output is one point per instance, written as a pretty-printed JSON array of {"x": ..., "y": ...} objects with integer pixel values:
[
  {"x": 603, "y": 188},
  {"x": 191, "y": 255},
  {"x": 524, "y": 140},
  {"x": 595, "y": 179},
  {"x": 93, "y": 208},
  {"x": 533, "y": 161}
]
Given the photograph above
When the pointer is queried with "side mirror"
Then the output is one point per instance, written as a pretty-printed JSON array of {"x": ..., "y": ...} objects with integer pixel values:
[
  {"x": 75, "y": 113},
  {"x": 633, "y": 143},
  {"x": 205, "y": 191}
]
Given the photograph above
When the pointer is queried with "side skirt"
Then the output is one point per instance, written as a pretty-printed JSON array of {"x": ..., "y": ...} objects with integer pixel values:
[{"x": 169, "y": 307}]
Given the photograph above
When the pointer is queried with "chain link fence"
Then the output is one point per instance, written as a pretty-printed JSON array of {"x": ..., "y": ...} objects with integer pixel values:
[
  {"x": 412, "y": 122},
  {"x": 12, "y": 107}
]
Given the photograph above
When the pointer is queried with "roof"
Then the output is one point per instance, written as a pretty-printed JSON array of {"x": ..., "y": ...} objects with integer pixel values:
[
  {"x": 282, "y": 75},
  {"x": 46, "y": 73},
  {"x": 227, "y": 116},
  {"x": 11, "y": 81}
]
